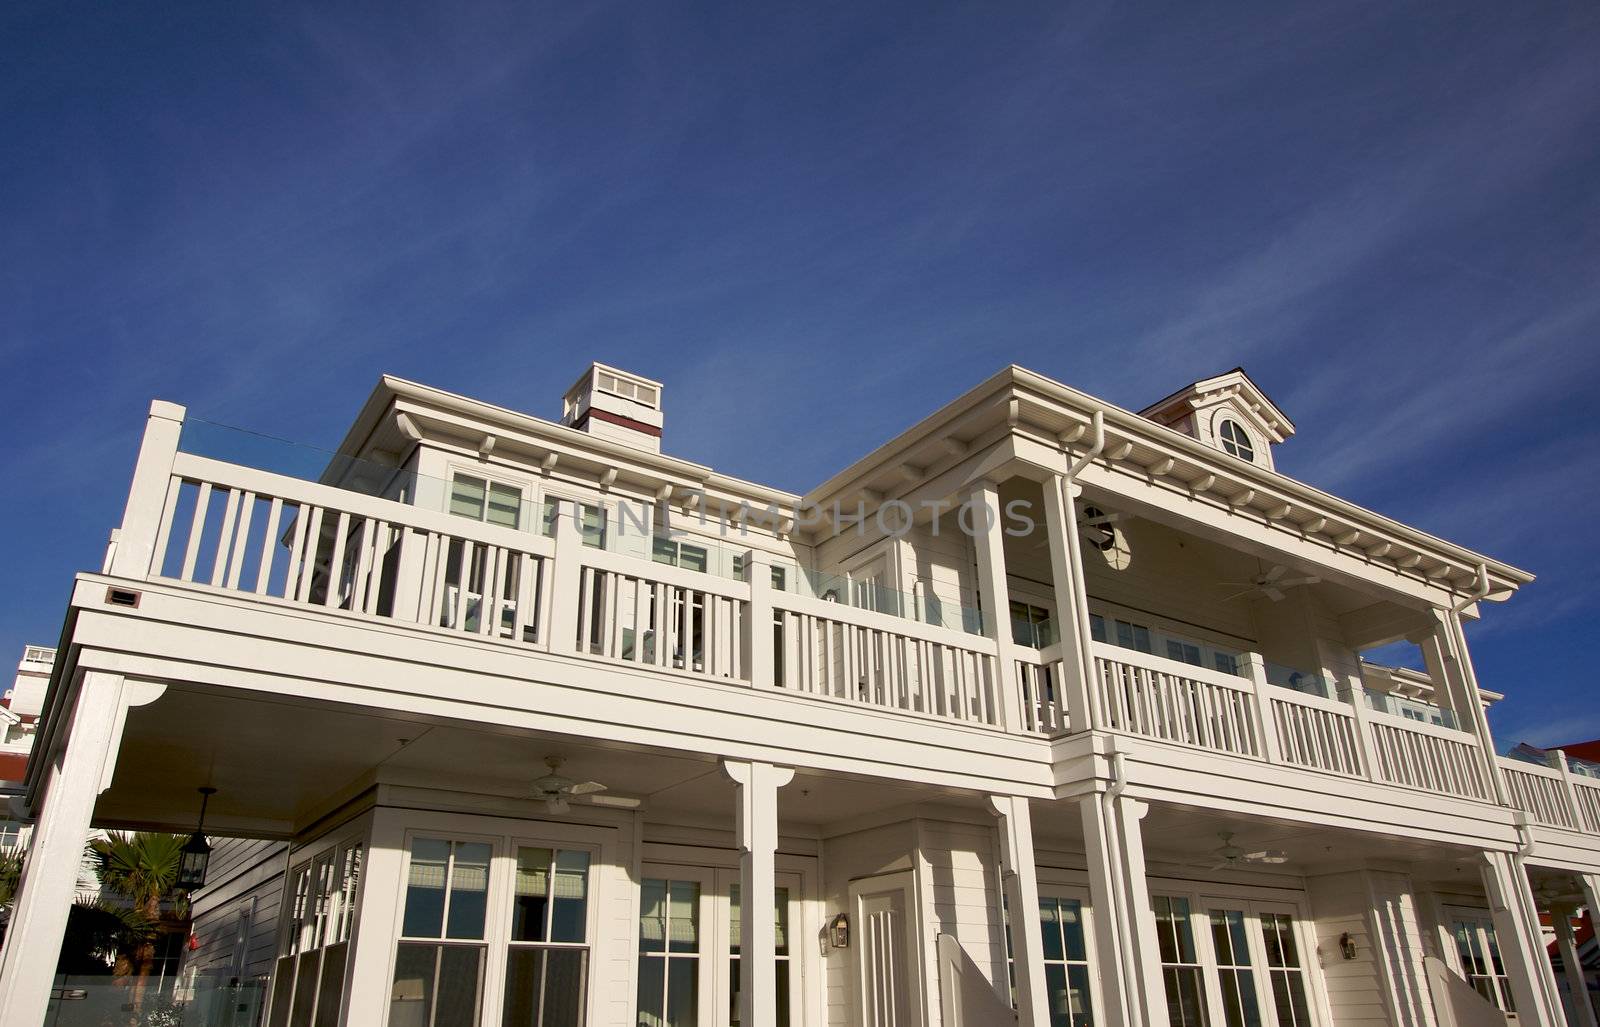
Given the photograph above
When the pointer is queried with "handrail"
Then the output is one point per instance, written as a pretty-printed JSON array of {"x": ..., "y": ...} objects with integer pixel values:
[
  {"x": 1163, "y": 665},
  {"x": 791, "y": 602},
  {"x": 216, "y": 472},
  {"x": 1423, "y": 727}
]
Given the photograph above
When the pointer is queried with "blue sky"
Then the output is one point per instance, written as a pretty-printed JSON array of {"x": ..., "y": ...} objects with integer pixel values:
[{"x": 819, "y": 222}]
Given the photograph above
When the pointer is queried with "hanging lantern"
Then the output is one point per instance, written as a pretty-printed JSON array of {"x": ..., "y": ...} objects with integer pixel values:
[{"x": 196, "y": 851}]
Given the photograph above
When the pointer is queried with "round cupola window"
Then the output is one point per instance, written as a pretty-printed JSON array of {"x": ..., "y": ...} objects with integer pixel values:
[{"x": 1235, "y": 440}]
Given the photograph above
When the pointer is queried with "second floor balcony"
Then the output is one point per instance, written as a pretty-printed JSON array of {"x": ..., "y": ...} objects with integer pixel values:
[{"x": 400, "y": 550}]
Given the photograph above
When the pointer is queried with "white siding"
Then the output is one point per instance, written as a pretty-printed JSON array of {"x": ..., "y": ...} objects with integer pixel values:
[
  {"x": 236, "y": 914},
  {"x": 961, "y": 897}
]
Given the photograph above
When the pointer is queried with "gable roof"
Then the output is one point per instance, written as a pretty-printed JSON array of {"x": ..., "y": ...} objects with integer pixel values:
[{"x": 1253, "y": 395}]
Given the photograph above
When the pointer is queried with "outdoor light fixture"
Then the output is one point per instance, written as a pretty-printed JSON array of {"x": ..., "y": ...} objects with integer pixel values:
[
  {"x": 839, "y": 932},
  {"x": 196, "y": 853},
  {"x": 1347, "y": 946}
]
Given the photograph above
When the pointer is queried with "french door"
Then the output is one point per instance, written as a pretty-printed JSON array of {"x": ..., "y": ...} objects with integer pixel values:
[{"x": 1235, "y": 962}]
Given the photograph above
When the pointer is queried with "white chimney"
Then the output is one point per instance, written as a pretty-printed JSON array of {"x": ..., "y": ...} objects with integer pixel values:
[{"x": 615, "y": 405}]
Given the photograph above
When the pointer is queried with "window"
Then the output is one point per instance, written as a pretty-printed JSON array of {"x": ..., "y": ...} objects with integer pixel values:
[
  {"x": 669, "y": 953},
  {"x": 10, "y": 833},
  {"x": 1288, "y": 976},
  {"x": 678, "y": 554},
  {"x": 1479, "y": 954},
  {"x": 547, "y": 958},
  {"x": 1180, "y": 964},
  {"x": 1235, "y": 440},
  {"x": 591, "y": 520},
  {"x": 484, "y": 500},
  {"x": 1097, "y": 627},
  {"x": 778, "y": 576},
  {"x": 1184, "y": 652},
  {"x": 1066, "y": 962},
  {"x": 1227, "y": 663},
  {"x": 781, "y": 970},
  {"x": 1133, "y": 636},
  {"x": 316, "y": 940},
  {"x": 438, "y": 970},
  {"x": 1031, "y": 625},
  {"x": 1235, "y": 977}
]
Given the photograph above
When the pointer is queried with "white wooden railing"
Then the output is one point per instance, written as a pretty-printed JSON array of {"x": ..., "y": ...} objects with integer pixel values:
[
  {"x": 1043, "y": 690},
  {"x": 1144, "y": 694},
  {"x": 1430, "y": 757},
  {"x": 829, "y": 649},
  {"x": 1316, "y": 732},
  {"x": 273, "y": 538},
  {"x": 277, "y": 539},
  {"x": 241, "y": 530},
  {"x": 1539, "y": 792}
]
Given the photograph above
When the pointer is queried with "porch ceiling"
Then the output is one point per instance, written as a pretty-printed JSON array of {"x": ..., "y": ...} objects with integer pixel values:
[{"x": 278, "y": 765}]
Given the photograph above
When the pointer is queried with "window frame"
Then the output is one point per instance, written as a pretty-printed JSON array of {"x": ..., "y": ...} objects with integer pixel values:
[
  {"x": 706, "y": 972},
  {"x": 528, "y": 498},
  {"x": 1483, "y": 922},
  {"x": 597, "y": 841},
  {"x": 1059, "y": 885},
  {"x": 335, "y": 847},
  {"x": 1241, "y": 444}
]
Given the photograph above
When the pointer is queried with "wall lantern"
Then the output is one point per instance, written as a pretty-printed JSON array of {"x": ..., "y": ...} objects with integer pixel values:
[
  {"x": 1347, "y": 946},
  {"x": 839, "y": 932},
  {"x": 196, "y": 853}
]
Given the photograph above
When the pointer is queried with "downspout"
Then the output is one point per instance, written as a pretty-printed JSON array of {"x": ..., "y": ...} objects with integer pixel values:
[
  {"x": 1479, "y": 590},
  {"x": 1098, "y": 445}
]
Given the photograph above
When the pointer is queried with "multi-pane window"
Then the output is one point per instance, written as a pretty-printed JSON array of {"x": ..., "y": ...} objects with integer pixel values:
[
  {"x": 1031, "y": 625},
  {"x": 678, "y": 554},
  {"x": 1133, "y": 636},
  {"x": 669, "y": 953},
  {"x": 779, "y": 576},
  {"x": 1288, "y": 975},
  {"x": 1184, "y": 652},
  {"x": 547, "y": 958},
  {"x": 781, "y": 968},
  {"x": 1066, "y": 962},
  {"x": 1230, "y": 946},
  {"x": 485, "y": 500},
  {"x": 591, "y": 520},
  {"x": 316, "y": 941},
  {"x": 439, "y": 968},
  {"x": 1180, "y": 963},
  {"x": 10, "y": 833},
  {"x": 1236, "y": 441},
  {"x": 1479, "y": 954},
  {"x": 639, "y": 392}
]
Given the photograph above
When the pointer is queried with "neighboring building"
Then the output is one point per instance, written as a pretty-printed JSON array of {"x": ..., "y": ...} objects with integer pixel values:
[
  {"x": 1042, "y": 701},
  {"x": 20, "y": 706}
]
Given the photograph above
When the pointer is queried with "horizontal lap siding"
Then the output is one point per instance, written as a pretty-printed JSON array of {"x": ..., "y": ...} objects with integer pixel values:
[
  {"x": 1384, "y": 985},
  {"x": 961, "y": 898},
  {"x": 241, "y": 870},
  {"x": 845, "y": 859}
]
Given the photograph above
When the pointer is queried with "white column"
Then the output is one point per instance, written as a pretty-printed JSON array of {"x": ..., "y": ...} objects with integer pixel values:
[
  {"x": 1072, "y": 606},
  {"x": 1561, "y": 919},
  {"x": 988, "y": 544},
  {"x": 377, "y": 922},
  {"x": 756, "y": 821},
  {"x": 49, "y": 885},
  {"x": 1125, "y": 947},
  {"x": 1458, "y": 664},
  {"x": 1020, "y": 879},
  {"x": 1516, "y": 927},
  {"x": 134, "y": 555}
]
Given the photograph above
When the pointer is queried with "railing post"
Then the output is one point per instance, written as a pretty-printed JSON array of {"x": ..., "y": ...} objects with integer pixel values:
[
  {"x": 755, "y": 633},
  {"x": 1446, "y": 646},
  {"x": 134, "y": 554},
  {"x": 1266, "y": 723},
  {"x": 1355, "y": 695},
  {"x": 984, "y": 516},
  {"x": 566, "y": 581},
  {"x": 1558, "y": 759}
]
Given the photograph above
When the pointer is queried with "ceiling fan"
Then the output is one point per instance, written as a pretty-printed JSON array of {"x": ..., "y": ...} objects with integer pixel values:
[
  {"x": 1230, "y": 855},
  {"x": 555, "y": 789},
  {"x": 1098, "y": 527},
  {"x": 1269, "y": 584}
]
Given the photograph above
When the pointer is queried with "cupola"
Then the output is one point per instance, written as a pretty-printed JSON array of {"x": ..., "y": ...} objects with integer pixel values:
[
  {"x": 1228, "y": 412},
  {"x": 616, "y": 405}
]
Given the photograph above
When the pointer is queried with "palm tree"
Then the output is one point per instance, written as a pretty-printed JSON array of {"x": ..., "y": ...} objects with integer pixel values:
[{"x": 142, "y": 868}]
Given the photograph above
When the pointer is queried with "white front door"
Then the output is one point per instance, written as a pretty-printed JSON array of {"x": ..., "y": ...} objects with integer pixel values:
[{"x": 886, "y": 976}]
